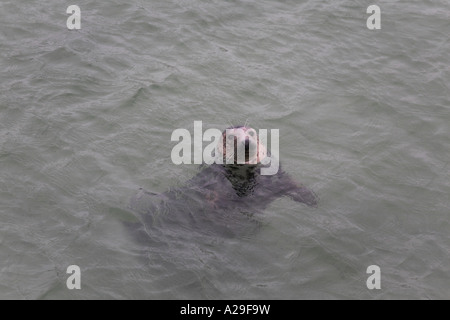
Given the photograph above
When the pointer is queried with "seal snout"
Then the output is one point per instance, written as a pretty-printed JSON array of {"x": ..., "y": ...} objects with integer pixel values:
[{"x": 246, "y": 144}]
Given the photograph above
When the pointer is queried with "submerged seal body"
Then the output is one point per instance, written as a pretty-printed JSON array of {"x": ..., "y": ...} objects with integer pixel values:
[{"x": 221, "y": 189}]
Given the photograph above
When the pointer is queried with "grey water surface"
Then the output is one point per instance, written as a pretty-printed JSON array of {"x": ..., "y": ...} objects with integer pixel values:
[{"x": 86, "y": 118}]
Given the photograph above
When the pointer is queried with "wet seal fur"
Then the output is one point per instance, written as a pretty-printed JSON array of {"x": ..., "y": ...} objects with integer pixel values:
[{"x": 219, "y": 191}]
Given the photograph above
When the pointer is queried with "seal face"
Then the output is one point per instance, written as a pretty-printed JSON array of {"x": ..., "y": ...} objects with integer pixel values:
[
  {"x": 245, "y": 140},
  {"x": 219, "y": 189}
]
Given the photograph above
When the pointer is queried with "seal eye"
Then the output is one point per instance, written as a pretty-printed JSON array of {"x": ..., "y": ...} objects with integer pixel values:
[
  {"x": 251, "y": 133},
  {"x": 230, "y": 137}
]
